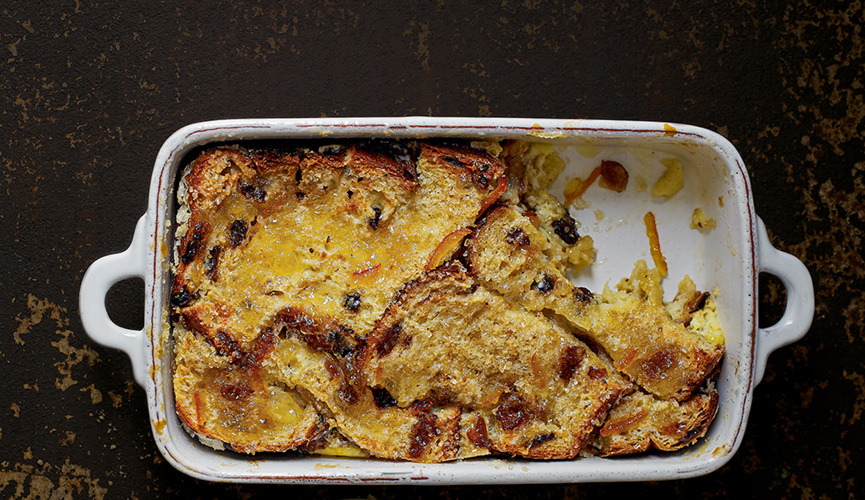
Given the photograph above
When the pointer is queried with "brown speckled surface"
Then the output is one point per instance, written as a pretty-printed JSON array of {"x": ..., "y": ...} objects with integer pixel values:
[{"x": 90, "y": 91}]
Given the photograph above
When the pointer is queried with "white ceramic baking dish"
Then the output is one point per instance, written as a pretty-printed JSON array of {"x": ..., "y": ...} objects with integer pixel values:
[{"x": 728, "y": 258}]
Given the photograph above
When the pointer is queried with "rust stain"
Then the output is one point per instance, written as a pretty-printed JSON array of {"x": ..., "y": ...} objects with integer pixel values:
[
  {"x": 859, "y": 404},
  {"x": 422, "y": 52},
  {"x": 422, "y": 49},
  {"x": 95, "y": 394},
  {"x": 854, "y": 319},
  {"x": 836, "y": 110},
  {"x": 68, "y": 440},
  {"x": 74, "y": 356},
  {"x": 116, "y": 399},
  {"x": 843, "y": 458},
  {"x": 837, "y": 209},
  {"x": 40, "y": 308},
  {"x": 43, "y": 480},
  {"x": 805, "y": 491},
  {"x": 13, "y": 47}
]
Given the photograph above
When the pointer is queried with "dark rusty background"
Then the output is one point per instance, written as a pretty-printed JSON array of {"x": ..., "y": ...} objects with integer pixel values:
[{"x": 90, "y": 92}]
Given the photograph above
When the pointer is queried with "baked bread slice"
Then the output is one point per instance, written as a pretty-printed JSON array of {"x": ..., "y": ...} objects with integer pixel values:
[
  {"x": 507, "y": 253},
  {"x": 420, "y": 432},
  {"x": 527, "y": 387},
  {"x": 640, "y": 421},
  {"x": 241, "y": 405}
]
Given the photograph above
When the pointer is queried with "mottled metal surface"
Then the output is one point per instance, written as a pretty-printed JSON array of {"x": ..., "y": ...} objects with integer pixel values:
[{"x": 90, "y": 91}]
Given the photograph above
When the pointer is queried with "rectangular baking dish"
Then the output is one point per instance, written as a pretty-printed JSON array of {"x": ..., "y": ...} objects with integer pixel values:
[{"x": 727, "y": 258}]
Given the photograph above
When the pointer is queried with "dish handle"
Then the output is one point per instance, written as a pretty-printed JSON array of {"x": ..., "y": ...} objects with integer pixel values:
[
  {"x": 799, "y": 313},
  {"x": 97, "y": 281}
]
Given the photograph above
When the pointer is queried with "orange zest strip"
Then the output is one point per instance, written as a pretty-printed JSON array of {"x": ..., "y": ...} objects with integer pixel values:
[
  {"x": 584, "y": 187},
  {"x": 537, "y": 370},
  {"x": 496, "y": 194},
  {"x": 369, "y": 272},
  {"x": 197, "y": 409},
  {"x": 494, "y": 397},
  {"x": 257, "y": 377},
  {"x": 625, "y": 361},
  {"x": 622, "y": 425},
  {"x": 655, "y": 243},
  {"x": 446, "y": 247}
]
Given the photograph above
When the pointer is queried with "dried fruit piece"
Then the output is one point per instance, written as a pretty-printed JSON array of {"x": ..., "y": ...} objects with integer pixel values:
[
  {"x": 211, "y": 264},
  {"x": 352, "y": 301},
  {"x": 192, "y": 245},
  {"x": 566, "y": 229},
  {"x": 237, "y": 233},
  {"x": 254, "y": 193},
  {"x": 478, "y": 435},
  {"x": 373, "y": 221},
  {"x": 513, "y": 412},
  {"x": 613, "y": 176},
  {"x": 383, "y": 399},
  {"x": 545, "y": 284},
  {"x": 182, "y": 298},
  {"x": 517, "y": 237}
]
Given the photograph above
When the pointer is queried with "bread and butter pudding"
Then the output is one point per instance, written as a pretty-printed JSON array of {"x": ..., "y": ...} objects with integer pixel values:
[{"x": 409, "y": 300}]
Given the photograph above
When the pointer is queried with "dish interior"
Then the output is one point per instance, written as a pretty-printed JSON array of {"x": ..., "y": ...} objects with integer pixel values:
[{"x": 719, "y": 260}]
